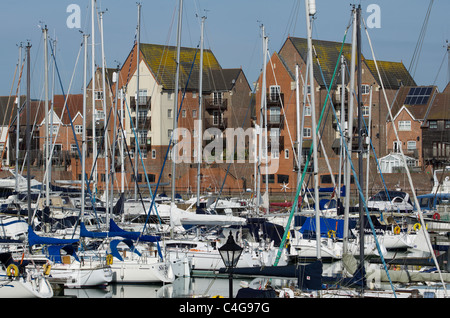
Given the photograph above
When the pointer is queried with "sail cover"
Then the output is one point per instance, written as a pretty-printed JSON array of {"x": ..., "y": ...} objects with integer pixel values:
[
  {"x": 34, "y": 239},
  {"x": 115, "y": 230}
]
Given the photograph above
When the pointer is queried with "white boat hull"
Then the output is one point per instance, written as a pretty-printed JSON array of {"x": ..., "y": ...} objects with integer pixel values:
[
  {"x": 137, "y": 272},
  {"x": 25, "y": 288}
]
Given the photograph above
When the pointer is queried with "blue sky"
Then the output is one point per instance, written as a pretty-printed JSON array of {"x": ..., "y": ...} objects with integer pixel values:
[{"x": 232, "y": 32}]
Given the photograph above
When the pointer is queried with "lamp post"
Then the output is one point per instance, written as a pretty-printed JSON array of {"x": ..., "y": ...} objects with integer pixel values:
[{"x": 230, "y": 253}]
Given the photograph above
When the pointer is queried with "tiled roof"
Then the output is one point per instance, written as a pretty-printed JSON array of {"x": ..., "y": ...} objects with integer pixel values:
[
  {"x": 440, "y": 109},
  {"x": 327, "y": 53},
  {"x": 418, "y": 111},
  {"x": 393, "y": 74},
  {"x": 161, "y": 60}
]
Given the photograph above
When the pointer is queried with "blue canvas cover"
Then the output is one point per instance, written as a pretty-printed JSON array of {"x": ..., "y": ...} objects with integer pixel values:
[
  {"x": 115, "y": 252},
  {"x": 34, "y": 239},
  {"x": 326, "y": 224},
  {"x": 54, "y": 252}
]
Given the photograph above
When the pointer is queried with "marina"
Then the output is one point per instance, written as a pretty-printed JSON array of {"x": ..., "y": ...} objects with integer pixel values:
[{"x": 310, "y": 203}]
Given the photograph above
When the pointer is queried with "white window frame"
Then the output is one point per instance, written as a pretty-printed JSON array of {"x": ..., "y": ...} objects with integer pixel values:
[
  {"x": 153, "y": 153},
  {"x": 411, "y": 145},
  {"x": 404, "y": 125},
  {"x": 78, "y": 129},
  {"x": 365, "y": 89},
  {"x": 307, "y": 132}
]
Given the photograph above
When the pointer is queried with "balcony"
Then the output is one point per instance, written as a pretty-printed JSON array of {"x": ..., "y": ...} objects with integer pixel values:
[
  {"x": 275, "y": 121},
  {"x": 216, "y": 122},
  {"x": 144, "y": 101},
  {"x": 275, "y": 99},
  {"x": 212, "y": 104}
]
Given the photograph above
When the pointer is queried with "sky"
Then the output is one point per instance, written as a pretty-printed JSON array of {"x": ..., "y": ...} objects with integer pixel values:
[{"x": 232, "y": 32}]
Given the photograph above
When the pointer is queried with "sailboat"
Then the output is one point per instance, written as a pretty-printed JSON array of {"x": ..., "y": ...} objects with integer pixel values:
[{"x": 19, "y": 279}]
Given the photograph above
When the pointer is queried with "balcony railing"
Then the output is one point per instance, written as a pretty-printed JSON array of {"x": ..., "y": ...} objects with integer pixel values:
[
  {"x": 275, "y": 121},
  {"x": 211, "y": 104},
  {"x": 144, "y": 101},
  {"x": 275, "y": 99},
  {"x": 221, "y": 123}
]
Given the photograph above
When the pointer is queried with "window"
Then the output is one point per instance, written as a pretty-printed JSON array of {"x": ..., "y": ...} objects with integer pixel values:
[
  {"x": 169, "y": 113},
  {"x": 270, "y": 178},
  {"x": 433, "y": 124},
  {"x": 217, "y": 98},
  {"x": 142, "y": 115},
  {"x": 308, "y": 89},
  {"x": 365, "y": 89},
  {"x": 275, "y": 91},
  {"x": 404, "y": 125},
  {"x": 411, "y": 145},
  {"x": 365, "y": 111},
  {"x": 194, "y": 113},
  {"x": 98, "y": 95},
  {"x": 142, "y": 137},
  {"x": 151, "y": 177},
  {"x": 307, "y": 132},
  {"x": 78, "y": 129},
  {"x": 447, "y": 124},
  {"x": 286, "y": 153},
  {"x": 169, "y": 133},
  {"x": 216, "y": 117},
  {"x": 282, "y": 178},
  {"x": 397, "y": 146},
  {"x": 307, "y": 110},
  {"x": 274, "y": 115},
  {"x": 73, "y": 148},
  {"x": 153, "y": 154},
  {"x": 142, "y": 97},
  {"x": 183, "y": 113}
]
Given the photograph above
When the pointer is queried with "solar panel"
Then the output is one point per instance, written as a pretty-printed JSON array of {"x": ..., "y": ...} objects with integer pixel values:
[{"x": 418, "y": 95}]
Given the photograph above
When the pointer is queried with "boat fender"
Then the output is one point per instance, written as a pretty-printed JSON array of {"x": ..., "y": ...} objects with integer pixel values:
[
  {"x": 217, "y": 296},
  {"x": 331, "y": 233},
  {"x": 417, "y": 227},
  {"x": 12, "y": 270},
  {"x": 47, "y": 268},
  {"x": 436, "y": 216},
  {"x": 109, "y": 259},
  {"x": 397, "y": 230}
]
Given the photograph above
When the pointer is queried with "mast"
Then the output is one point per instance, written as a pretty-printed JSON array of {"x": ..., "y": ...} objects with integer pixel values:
[
  {"x": 360, "y": 144},
  {"x": 105, "y": 126},
  {"x": 94, "y": 141},
  {"x": 49, "y": 170},
  {"x": 349, "y": 134},
  {"x": 113, "y": 156},
  {"x": 46, "y": 145},
  {"x": 175, "y": 108},
  {"x": 200, "y": 128},
  {"x": 342, "y": 122},
  {"x": 136, "y": 148},
  {"x": 299, "y": 146},
  {"x": 28, "y": 137},
  {"x": 262, "y": 121},
  {"x": 18, "y": 124},
  {"x": 310, "y": 12},
  {"x": 83, "y": 142}
]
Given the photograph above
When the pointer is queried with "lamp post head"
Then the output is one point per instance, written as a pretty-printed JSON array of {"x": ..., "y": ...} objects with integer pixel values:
[{"x": 230, "y": 252}]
